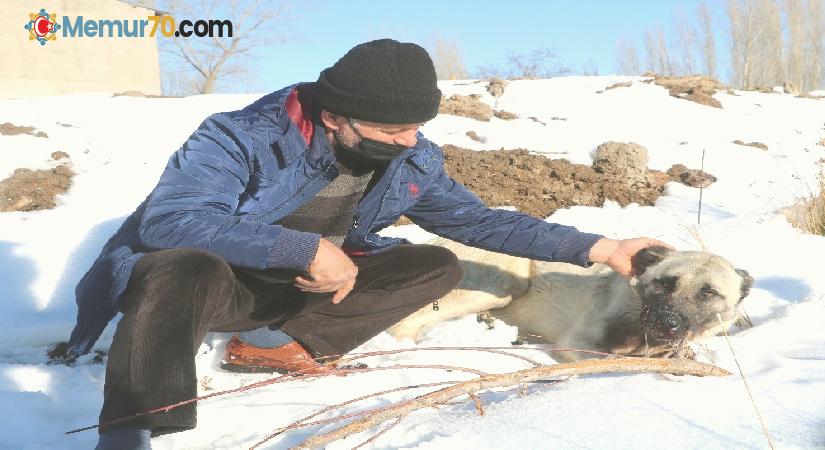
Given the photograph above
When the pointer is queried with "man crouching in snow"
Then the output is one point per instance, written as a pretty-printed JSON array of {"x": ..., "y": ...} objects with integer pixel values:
[{"x": 264, "y": 222}]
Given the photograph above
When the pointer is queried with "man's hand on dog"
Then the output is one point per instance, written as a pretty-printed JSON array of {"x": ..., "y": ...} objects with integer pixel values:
[
  {"x": 617, "y": 254},
  {"x": 331, "y": 271}
]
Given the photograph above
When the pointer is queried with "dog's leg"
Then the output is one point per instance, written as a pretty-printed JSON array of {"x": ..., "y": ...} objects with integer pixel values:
[{"x": 491, "y": 280}]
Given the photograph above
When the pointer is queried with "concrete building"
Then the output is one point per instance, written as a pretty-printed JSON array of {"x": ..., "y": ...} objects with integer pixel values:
[{"x": 75, "y": 64}]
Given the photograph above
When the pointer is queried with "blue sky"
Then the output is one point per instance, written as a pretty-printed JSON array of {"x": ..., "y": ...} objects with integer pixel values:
[{"x": 485, "y": 31}]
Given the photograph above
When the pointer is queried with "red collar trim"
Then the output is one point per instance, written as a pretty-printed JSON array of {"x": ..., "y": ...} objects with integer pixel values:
[{"x": 299, "y": 110}]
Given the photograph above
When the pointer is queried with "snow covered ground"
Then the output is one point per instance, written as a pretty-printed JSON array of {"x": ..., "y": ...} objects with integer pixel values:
[{"x": 118, "y": 146}]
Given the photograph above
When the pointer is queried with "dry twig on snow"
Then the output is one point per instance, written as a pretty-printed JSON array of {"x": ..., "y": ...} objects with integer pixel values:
[{"x": 587, "y": 367}]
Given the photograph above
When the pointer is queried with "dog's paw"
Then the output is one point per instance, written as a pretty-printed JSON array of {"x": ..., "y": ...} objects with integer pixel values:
[{"x": 487, "y": 318}]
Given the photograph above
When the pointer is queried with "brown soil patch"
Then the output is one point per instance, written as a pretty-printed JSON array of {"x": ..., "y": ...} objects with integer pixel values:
[
  {"x": 622, "y": 84},
  {"x": 619, "y": 85},
  {"x": 9, "y": 129},
  {"x": 466, "y": 106},
  {"x": 505, "y": 115},
  {"x": 59, "y": 155},
  {"x": 474, "y": 136},
  {"x": 30, "y": 190},
  {"x": 496, "y": 87},
  {"x": 691, "y": 177},
  {"x": 821, "y": 142},
  {"x": 752, "y": 144},
  {"x": 538, "y": 185},
  {"x": 624, "y": 163},
  {"x": 697, "y": 88},
  {"x": 141, "y": 94}
]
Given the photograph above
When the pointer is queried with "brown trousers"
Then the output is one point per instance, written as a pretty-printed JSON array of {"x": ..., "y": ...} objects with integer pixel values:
[{"x": 176, "y": 296}]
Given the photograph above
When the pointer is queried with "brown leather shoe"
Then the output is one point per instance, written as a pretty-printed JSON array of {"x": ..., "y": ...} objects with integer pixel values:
[{"x": 293, "y": 357}]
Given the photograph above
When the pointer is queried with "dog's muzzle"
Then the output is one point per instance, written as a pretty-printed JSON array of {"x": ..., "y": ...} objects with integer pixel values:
[{"x": 663, "y": 322}]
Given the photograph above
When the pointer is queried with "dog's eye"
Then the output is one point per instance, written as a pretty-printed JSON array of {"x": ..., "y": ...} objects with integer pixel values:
[
  {"x": 707, "y": 293},
  {"x": 664, "y": 285}
]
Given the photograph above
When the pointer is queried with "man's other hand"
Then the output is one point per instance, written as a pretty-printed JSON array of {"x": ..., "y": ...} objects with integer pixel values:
[
  {"x": 617, "y": 254},
  {"x": 330, "y": 271}
]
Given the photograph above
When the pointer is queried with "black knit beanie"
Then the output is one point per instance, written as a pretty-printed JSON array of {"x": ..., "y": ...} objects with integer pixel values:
[{"x": 382, "y": 81}]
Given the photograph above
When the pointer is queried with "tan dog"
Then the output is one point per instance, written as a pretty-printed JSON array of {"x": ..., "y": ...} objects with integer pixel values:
[{"x": 675, "y": 297}]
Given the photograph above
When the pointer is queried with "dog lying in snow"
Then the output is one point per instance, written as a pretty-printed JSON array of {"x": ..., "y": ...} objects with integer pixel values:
[{"x": 674, "y": 298}]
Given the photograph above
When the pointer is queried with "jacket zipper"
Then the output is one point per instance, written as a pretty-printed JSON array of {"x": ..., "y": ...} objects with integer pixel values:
[{"x": 297, "y": 194}]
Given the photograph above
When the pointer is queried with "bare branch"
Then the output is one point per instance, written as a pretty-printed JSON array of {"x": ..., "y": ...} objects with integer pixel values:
[
  {"x": 627, "y": 57},
  {"x": 707, "y": 48},
  {"x": 447, "y": 60},
  {"x": 377, "y": 435},
  {"x": 586, "y": 367},
  {"x": 303, "y": 422},
  {"x": 207, "y": 58}
]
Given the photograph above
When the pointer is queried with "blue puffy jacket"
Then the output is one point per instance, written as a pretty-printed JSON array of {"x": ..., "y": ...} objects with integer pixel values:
[{"x": 241, "y": 171}]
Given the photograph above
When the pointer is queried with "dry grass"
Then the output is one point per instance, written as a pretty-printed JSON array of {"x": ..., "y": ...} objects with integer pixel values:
[
  {"x": 815, "y": 217},
  {"x": 809, "y": 214}
]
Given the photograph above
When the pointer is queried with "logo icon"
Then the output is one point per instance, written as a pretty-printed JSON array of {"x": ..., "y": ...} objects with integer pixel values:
[{"x": 42, "y": 26}]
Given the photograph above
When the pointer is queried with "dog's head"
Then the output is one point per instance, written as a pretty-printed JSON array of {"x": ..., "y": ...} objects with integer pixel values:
[{"x": 682, "y": 291}]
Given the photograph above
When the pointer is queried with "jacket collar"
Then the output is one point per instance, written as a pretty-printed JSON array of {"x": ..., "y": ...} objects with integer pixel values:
[
  {"x": 293, "y": 144},
  {"x": 273, "y": 108}
]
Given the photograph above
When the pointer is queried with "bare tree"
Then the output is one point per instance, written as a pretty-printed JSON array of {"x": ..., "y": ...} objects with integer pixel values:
[
  {"x": 707, "y": 44},
  {"x": 805, "y": 49},
  {"x": 684, "y": 44},
  {"x": 771, "y": 42},
  {"x": 794, "y": 60},
  {"x": 756, "y": 43},
  {"x": 815, "y": 45},
  {"x": 627, "y": 57},
  {"x": 489, "y": 71},
  {"x": 449, "y": 65},
  {"x": 658, "y": 55},
  {"x": 770, "y": 61},
  {"x": 740, "y": 43},
  {"x": 590, "y": 68},
  {"x": 540, "y": 63},
  {"x": 203, "y": 65}
]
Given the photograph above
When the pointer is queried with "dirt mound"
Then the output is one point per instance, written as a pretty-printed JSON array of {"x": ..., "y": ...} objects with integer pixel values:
[
  {"x": 622, "y": 84},
  {"x": 538, "y": 185},
  {"x": 691, "y": 177},
  {"x": 496, "y": 87},
  {"x": 505, "y": 115},
  {"x": 626, "y": 163},
  {"x": 696, "y": 88},
  {"x": 30, "y": 190},
  {"x": 466, "y": 106},
  {"x": 474, "y": 136},
  {"x": 758, "y": 145},
  {"x": 10, "y": 129}
]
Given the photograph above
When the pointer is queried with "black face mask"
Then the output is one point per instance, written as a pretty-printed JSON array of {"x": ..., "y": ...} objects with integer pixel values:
[{"x": 368, "y": 153}]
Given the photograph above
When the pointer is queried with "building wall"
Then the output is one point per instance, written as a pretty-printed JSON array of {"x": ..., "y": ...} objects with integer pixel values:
[{"x": 78, "y": 64}]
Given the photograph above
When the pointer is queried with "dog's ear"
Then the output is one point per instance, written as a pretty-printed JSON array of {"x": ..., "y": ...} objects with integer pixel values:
[
  {"x": 747, "y": 283},
  {"x": 647, "y": 257}
]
